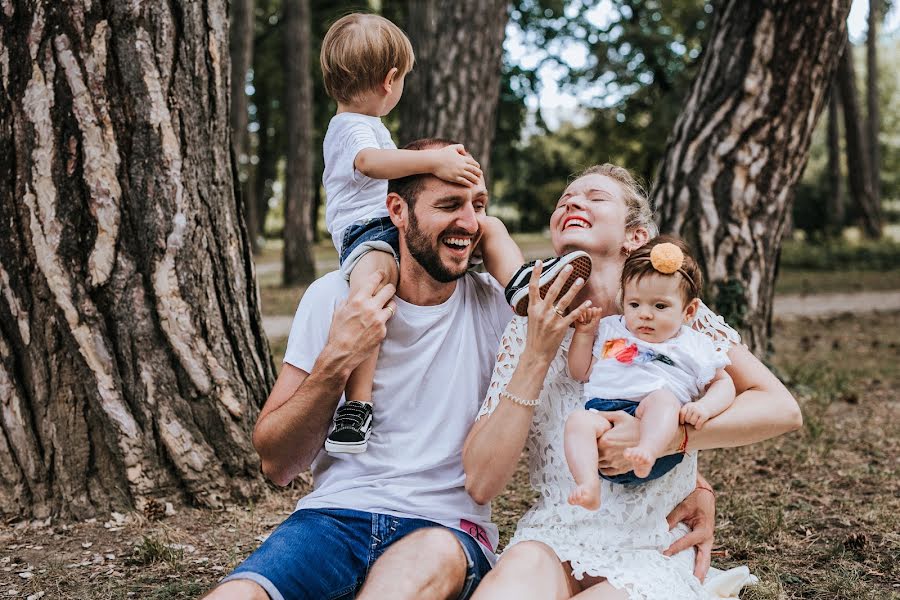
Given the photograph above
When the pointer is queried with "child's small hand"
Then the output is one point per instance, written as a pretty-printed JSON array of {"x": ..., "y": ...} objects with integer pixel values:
[
  {"x": 588, "y": 320},
  {"x": 694, "y": 414},
  {"x": 455, "y": 166}
]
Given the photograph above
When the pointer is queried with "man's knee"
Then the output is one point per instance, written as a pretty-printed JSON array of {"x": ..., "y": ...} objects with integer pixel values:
[
  {"x": 238, "y": 589},
  {"x": 436, "y": 544}
]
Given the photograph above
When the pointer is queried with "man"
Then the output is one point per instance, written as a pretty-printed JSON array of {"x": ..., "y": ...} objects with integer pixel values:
[{"x": 406, "y": 526}]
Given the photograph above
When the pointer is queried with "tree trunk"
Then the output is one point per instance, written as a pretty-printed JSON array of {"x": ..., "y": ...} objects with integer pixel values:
[
  {"x": 241, "y": 45},
  {"x": 742, "y": 141},
  {"x": 454, "y": 89},
  {"x": 299, "y": 264},
  {"x": 858, "y": 169},
  {"x": 834, "y": 206},
  {"x": 872, "y": 116},
  {"x": 132, "y": 357}
]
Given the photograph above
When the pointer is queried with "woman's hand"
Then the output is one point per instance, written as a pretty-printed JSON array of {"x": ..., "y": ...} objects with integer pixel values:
[
  {"x": 625, "y": 433},
  {"x": 697, "y": 511},
  {"x": 547, "y": 317}
]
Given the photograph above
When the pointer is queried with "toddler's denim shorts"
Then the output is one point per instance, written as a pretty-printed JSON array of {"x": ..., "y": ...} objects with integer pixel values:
[
  {"x": 325, "y": 554},
  {"x": 663, "y": 464},
  {"x": 365, "y": 236}
]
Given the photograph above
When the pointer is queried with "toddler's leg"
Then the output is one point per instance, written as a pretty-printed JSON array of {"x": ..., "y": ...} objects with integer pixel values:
[
  {"x": 658, "y": 413},
  {"x": 359, "y": 384},
  {"x": 583, "y": 428},
  {"x": 353, "y": 419},
  {"x": 502, "y": 256}
]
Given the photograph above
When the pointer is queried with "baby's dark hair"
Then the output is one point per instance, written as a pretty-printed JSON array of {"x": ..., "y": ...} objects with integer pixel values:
[{"x": 638, "y": 265}]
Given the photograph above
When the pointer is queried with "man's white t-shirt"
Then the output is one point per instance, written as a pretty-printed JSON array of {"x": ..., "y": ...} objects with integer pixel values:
[
  {"x": 350, "y": 196},
  {"x": 628, "y": 368},
  {"x": 432, "y": 376}
]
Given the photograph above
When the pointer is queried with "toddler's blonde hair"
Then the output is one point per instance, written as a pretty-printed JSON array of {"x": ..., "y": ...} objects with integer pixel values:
[{"x": 358, "y": 52}]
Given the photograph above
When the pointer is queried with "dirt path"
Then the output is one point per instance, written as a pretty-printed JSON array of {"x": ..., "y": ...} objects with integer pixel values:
[{"x": 788, "y": 307}]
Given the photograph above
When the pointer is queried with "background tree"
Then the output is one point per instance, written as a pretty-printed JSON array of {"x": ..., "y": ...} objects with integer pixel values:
[
  {"x": 741, "y": 143},
  {"x": 132, "y": 360},
  {"x": 859, "y": 172},
  {"x": 872, "y": 119},
  {"x": 241, "y": 48},
  {"x": 454, "y": 88},
  {"x": 834, "y": 205},
  {"x": 299, "y": 263}
]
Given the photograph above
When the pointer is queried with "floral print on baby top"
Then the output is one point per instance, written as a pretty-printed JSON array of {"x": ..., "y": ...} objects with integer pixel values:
[{"x": 620, "y": 350}]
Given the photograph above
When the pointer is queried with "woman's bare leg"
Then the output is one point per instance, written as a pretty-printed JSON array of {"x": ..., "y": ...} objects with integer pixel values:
[
  {"x": 602, "y": 591},
  {"x": 527, "y": 570},
  {"x": 658, "y": 413},
  {"x": 583, "y": 429}
]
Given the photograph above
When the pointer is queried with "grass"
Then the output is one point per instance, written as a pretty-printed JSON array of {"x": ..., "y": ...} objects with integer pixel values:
[{"x": 815, "y": 514}]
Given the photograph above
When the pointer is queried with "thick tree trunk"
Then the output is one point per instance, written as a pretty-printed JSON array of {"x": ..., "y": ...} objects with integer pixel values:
[
  {"x": 241, "y": 45},
  {"x": 454, "y": 89},
  {"x": 132, "y": 358},
  {"x": 834, "y": 205},
  {"x": 872, "y": 117},
  {"x": 741, "y": 143},
  {"x": 299, "y": 264},
  {"x": 858, "y": 169}
]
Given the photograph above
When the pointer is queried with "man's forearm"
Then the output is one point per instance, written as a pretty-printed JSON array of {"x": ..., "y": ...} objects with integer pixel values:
[{"x": 290, "y": 437}]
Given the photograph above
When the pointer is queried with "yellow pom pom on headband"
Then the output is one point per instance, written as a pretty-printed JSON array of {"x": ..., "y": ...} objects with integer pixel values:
[{"x": 667, "y": 258}]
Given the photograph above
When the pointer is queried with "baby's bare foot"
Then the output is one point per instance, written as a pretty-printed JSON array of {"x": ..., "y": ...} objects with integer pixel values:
[
  {"x": 586, "y": 495},
  {"x": 641, "y": 460}
]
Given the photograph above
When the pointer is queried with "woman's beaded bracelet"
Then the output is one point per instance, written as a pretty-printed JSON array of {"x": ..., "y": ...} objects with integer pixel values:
[{"x": 518, "y": 400}]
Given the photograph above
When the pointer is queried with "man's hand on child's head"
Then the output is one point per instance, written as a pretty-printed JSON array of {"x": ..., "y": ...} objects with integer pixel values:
[{"x": 455, "y": 165}]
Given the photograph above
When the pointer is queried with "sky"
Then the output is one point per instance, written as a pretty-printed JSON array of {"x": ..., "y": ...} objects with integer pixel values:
[{"x": 557, "y": 105}]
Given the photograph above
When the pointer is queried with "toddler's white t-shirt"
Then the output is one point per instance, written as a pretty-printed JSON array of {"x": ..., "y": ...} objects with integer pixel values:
[
  {"x": 628, "y": 368},
  {"x": 350, "y": 196}
]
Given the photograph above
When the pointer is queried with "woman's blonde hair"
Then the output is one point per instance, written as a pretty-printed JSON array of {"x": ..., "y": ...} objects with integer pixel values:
[
  {"x": 637, "y": 201},
  {"x": 358, "y": 52}
]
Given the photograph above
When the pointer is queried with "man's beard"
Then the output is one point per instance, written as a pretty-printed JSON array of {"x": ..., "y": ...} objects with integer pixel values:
[{"x": 421, "y": 249}]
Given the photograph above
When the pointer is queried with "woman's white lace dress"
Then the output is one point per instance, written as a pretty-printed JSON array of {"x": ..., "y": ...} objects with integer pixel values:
[{"x": 623, "y": 540}]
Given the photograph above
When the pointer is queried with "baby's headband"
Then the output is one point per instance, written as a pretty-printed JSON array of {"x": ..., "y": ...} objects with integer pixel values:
[{"x": 667, "y": 258}]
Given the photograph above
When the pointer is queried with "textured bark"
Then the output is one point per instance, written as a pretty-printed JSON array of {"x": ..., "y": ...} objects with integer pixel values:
[
  {"x": 241, "y": 47},
  {"x": 455, "y": 86},
  {"x": 132, "y": 358},
  {"x": 835, "y": 202},
  {"x": 858, "y": 169},
  {"x": 299, "y": 264},
  {"x": 741, "y": 143},
  {"x": 873, "y": 124}
]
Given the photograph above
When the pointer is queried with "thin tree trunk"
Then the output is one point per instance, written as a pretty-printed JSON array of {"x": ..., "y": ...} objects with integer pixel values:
[
  {"x": 834, "y": 205},
  {"x": 132, "y": 357},
  {"x": 741, "y": 143},
  {"x": 241, "y": 45},
  {"x": 858, "y": 169},
  {"x": 454, "y": 89},
  {"x": 872, "y": 116},
  {"x": 299, "y": 264}
]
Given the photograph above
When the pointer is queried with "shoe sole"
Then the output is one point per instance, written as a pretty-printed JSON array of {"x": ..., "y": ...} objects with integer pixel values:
[
  {"x": 333, "y": 447},
  {"x": 581, "y": 267}
]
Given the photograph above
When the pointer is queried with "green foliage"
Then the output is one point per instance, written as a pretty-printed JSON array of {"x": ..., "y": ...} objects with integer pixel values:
[
  {"x": 840, "y": 255},
  {"x": 153, "y": 550}
]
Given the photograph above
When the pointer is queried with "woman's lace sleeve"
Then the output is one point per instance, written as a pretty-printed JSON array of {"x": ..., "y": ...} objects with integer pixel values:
[
  {"x": 511, "y": 345},
  {"x": 715, "y": 327}
]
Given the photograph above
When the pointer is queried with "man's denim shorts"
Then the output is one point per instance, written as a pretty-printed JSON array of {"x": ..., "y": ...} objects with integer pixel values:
[
  {"x": 663, "y": 464},
  {"x": 365, "y": 236},
  {"x": 325, "y": 554}
]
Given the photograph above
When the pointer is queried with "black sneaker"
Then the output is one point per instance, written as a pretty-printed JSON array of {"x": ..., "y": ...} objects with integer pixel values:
[
  {"x": 352, "y": 427},
  {"x": 517, "y": 290}
]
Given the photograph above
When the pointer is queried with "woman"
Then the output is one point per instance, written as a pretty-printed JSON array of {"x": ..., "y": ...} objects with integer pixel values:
[{"x": 563, "y": 551}]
